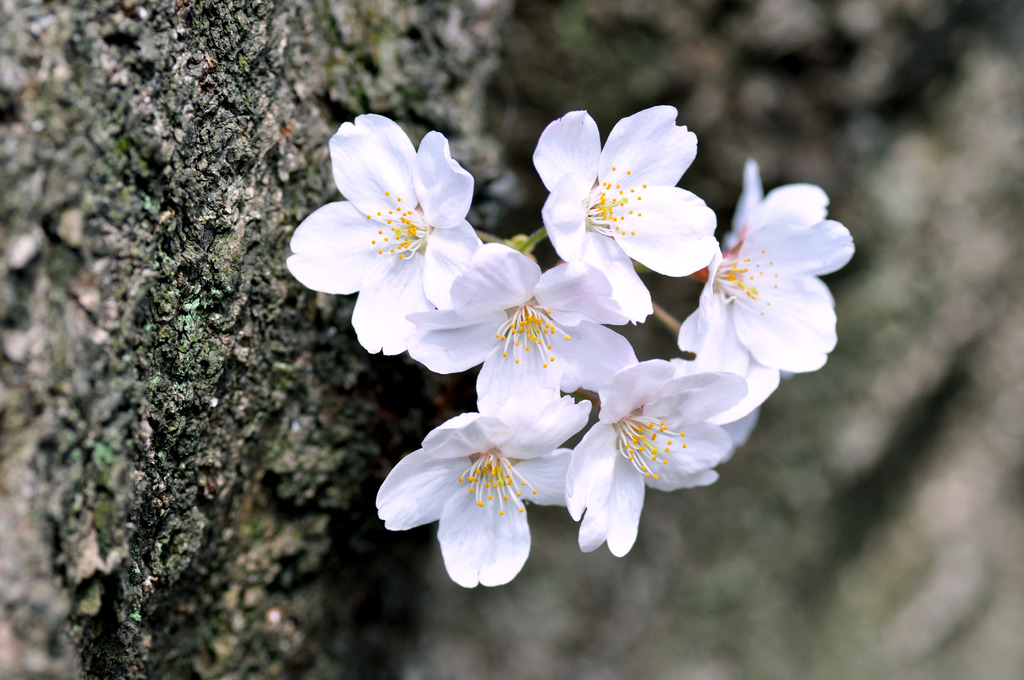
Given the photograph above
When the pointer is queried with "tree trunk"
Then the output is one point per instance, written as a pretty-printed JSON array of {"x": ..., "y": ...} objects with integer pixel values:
[{"x": 191, "y": 440}]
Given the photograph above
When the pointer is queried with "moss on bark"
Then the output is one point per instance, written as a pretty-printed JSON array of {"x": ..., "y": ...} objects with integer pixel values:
[{"x": 191, "y": 440}]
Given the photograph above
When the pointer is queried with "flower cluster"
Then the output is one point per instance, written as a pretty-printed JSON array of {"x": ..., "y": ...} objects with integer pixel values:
[{"x": 428, "y": 285}]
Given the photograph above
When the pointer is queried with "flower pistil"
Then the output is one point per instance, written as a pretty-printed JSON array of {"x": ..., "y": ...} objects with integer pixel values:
[
  {"x": 638, "y": 442},
  {"x": 408, "y": 236},
  {"x": 530, "y": 326},
  {"x": 492, "y": 477}
]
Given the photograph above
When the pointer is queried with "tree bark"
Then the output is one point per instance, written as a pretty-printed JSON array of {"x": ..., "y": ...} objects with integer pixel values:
[{"x": 191, "y": 440}]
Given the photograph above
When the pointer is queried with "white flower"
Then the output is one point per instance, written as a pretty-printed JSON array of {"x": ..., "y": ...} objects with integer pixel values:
[
  {"x": 526, "y": 327},
  {"x": 796, "y": 204},
  {"x": 763, "y": 310},
  {"x": 400, "y": 238},
  {"x": 761, "y": 382},
  {"x": 607, "y": 206},
  {"x": 474, "y": 474},
  {"x": 651, "y": 431}
]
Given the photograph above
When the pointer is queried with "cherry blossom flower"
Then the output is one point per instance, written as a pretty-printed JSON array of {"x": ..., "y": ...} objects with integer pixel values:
[
  {"x": 651, "y": 431},
  {"x": 400, "y": 238},
  {"x": 763, "y": 310},
  {"x": 526, "y": 327},
  {"x": 476, "y": 472},
  {"x": 610, "y": 205}
]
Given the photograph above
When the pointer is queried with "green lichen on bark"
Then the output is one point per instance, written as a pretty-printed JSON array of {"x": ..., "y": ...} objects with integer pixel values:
[{"x": 191, "y": 440}]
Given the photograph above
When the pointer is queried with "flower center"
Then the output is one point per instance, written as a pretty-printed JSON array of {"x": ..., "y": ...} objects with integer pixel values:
[
  {"x": 738, "y": 277},
  {"x": 609, "y": 208},
  {"x": 530, "y": 328},
  {"x": 493, "y": 478},
  {"x": 639, "y": 443},
  {"x": 403, "y": 230}
]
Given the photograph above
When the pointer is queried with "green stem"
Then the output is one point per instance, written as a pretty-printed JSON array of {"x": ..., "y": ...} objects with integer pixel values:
[
  {"x": 526, "y": 246},
  {"x": 663, "y": 316},
  {"x": 589, "y": 396},
  {"x": 489, "y": 238}
]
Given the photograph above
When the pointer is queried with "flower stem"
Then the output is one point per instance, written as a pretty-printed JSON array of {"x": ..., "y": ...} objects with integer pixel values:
[
  {"x": 526, "y": 244},
  {"x": 489, "y": 238},
  {"x": 663, "y": 316},
  {"x": 589, "y": 396}
]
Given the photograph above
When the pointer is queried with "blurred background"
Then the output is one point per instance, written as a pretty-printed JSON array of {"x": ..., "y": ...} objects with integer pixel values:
[{"x": 873, "y": 527}]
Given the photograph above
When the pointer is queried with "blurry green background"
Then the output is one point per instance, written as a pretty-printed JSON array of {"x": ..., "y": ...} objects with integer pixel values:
[{"x": 873, "y": 527}]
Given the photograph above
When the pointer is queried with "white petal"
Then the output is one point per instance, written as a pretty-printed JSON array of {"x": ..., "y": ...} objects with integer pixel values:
[
  {"x": 569, "y": 146},
  {"x": 501, "y": 376},
  {"x": 589, "y": 477},
  {"x": 740, "y": 430},
  {"x": 628, "y": 290},
  {"x": 696, "y": 329},
  {"x": 614, "y": 516},
  {"x": 762, "y": 381},
  {"x": 479, "y": 545},
  {"x": 498, "y": 277},
  {"x": 706, "y": 445},
  {"x": 546, "y": 474},
  {"x": 464, "y": 435},
  {"x": 818, "y": 249},
  {"x": 697, "y": 397},
  {"x": 577, "y": 291},
  {"x": 670, "y": 230},
  {"x": 710, "y": 334},
  {"x": 565, "y": 218},
  {"x": 702, "y": 478},
  {"x": 650, "y": 147},
  {"x": 417, "y": 489},
  {"x": 446, "y": 342},
  {"x": 447, "y": 255},
  {"x": 633, "y": 387},
  {"x": 792, "y": 327},
  {"x": 797, "y": 204},
  {"x": 750, "y": 199},
  {"x": 592, "y": 356},
  {"x": 444, "y": 188},
  {"x": 333, "y": 249},
  {"x": 370, "y": 157},
  {"x": 541, "y": 421},
  {"x": 393, "y": 289},
  {"x": 625, "y": 502}
]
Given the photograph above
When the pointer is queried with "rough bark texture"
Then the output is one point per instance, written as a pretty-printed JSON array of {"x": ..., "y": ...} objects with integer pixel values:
[{"x": 191, "y": 440}]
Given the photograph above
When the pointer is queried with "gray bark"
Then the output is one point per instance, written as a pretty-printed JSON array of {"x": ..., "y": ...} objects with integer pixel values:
[{"x": 191, "y": 440}]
